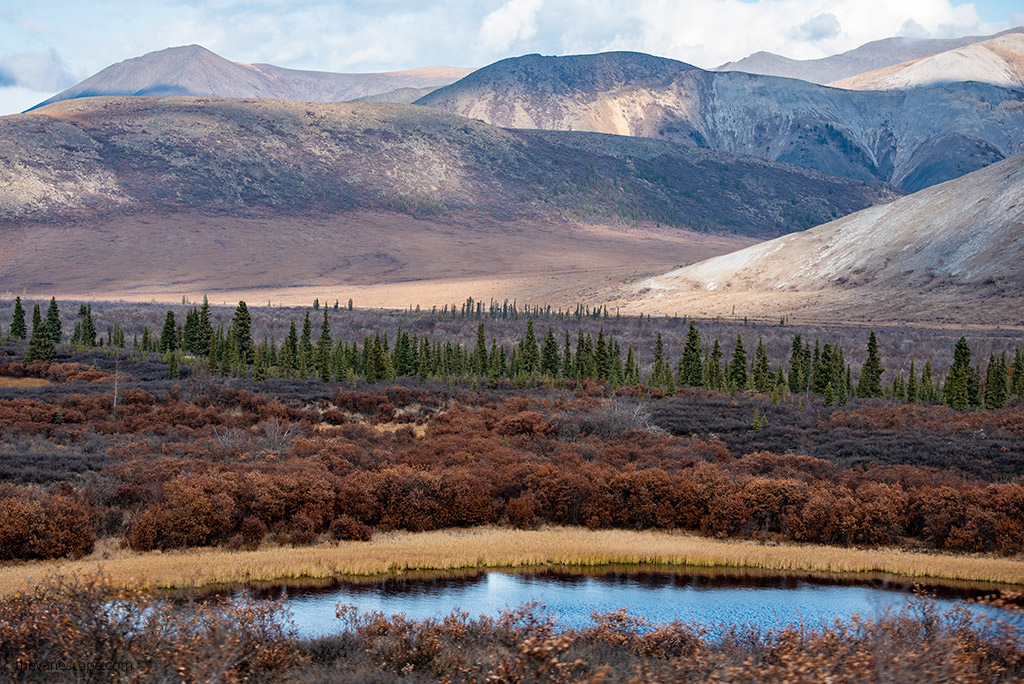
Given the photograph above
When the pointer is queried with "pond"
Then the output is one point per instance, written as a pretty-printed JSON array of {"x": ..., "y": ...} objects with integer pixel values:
[{"x": 661, "y": 595}]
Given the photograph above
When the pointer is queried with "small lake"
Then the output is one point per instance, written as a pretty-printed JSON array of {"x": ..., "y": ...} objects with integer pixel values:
[{"x": 707, "y": 598}]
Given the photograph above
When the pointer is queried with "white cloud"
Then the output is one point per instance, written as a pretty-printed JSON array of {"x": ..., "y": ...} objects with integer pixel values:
[
  {"x": 16, "y": 99},
  {"x": 513, "y": 22},
  {"x": 35, "y": 70}
]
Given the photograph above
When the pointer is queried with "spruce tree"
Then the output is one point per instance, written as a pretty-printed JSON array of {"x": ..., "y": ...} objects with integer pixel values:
[
  {"x": 324, "y": 344},
  {"x": 40, "y": 345},
  {"x": 997, "y": 389},
  {"x": 18, "y": 329},
  {"x": 168, "y": 338},
  {"x": 870, "y": 383},
  {"x": 955, "y": 391},
  {"x": 926, "y": 391},
  {"x": 305, "y": 360},
  {"x": 660, "y": 373},
  {"x": 480, "y": 360},
  {"x": 1018, "y": 374},
  {"x": 715, "y": 376},
  {"x": 913, "y": 391},
  {"x": 529, "y": 354},
  {"x": 737, "y": 374},
  {"x": 550, "y": 360},
  {"x": 173, "y": 373},
  {"x": 205, "y": 329},
  {"x": 691, "y": 367},
  {"x": 796, "y": 371},
  {"x": 762, "y": 371},
  {"x": 241, "y": 324},
  {"x": 53, "y": 321},
  {"x": 37, "y": 318}
]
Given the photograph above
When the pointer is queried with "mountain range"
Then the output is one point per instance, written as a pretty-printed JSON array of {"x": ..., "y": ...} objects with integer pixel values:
[
  {"x": 194, "y": 70},
  {"x": 554, "y": 179},
  {"x": 877, "y": 54},
  {"x": 81, "y": 174},
  {"x": 909, "y": 138}
]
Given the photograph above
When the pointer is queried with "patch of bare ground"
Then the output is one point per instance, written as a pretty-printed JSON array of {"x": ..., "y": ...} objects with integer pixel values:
[{"x": 377, "y": 258}]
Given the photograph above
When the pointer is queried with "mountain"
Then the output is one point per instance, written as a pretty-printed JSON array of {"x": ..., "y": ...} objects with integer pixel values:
[
  {"x": 912, "y": 139},
  {"x": 951, "y": 253},
  {"x": 194, "y": 70},
  {"x": 877, "y": 54},
  {"x": 142, "y": 195},
  {"x": 999, "y": 61}
]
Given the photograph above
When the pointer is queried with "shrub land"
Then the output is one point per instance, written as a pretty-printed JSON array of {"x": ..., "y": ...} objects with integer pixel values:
[{"x": 132, "y": 430}]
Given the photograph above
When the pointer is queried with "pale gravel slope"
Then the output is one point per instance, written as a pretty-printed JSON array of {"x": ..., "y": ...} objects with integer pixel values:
[
  {"x": 951, "y": 252},
  {"x": 999, "y": 62}
]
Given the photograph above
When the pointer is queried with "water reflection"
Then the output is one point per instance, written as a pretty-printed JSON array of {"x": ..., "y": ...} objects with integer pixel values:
[{"x": 707, "y": 598}]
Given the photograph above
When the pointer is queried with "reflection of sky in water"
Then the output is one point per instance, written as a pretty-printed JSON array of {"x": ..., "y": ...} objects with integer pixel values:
[{"x": 573, "y": 600}]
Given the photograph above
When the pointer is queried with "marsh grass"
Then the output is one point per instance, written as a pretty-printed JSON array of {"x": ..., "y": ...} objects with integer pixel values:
[{"x": 491, "y": 547}]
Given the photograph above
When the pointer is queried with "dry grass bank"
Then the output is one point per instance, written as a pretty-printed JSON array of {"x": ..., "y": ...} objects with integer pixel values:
[{"x": 500, "y": 547}]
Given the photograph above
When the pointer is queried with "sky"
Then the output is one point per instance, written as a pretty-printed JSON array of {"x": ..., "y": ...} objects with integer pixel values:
[{"x": 49, "y": 45}]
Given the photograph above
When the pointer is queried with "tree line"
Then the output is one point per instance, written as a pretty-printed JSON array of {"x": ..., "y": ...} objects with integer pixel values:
[{"x": 822, "y": 369}]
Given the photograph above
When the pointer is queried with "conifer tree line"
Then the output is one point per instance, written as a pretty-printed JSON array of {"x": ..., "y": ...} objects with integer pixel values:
[{"x": 822, "y": 369}]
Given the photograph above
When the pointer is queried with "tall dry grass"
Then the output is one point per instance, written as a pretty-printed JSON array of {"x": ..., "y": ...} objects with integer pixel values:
[{"x": 489, "y": 547}]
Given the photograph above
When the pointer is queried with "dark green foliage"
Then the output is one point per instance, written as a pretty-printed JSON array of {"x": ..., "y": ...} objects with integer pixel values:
[
  {"x": 870, "y": 383},
  {"x": 18, "y": 329},
  {"x": 85, "y": 331},
  {"x": 53, "y": 321},
  {"x": 40, "y": 346},
  {"x": 550, "y": 360},
  {"x": 241, "y": 327},
  {"x": 762, "y": 371},
  {"x": 305, "y": 358},
  {"x": 691, "y": 367},
  {"x": 529, "y": 354},
  {"x": 168, "y": 337},
  {"x": 173, "y": 373},
  {"x": 480, "y": 365},
  {"x": 737, "y": 374},
  {"x": 997, "y": 382},
  {"x": 1018, "y": 374},
  {"x": 324, "y": 345},
  {"x": 956, "y": 390}
]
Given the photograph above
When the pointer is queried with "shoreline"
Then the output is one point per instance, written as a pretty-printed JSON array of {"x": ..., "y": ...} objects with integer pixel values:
[{"x": 492, "y": 548}]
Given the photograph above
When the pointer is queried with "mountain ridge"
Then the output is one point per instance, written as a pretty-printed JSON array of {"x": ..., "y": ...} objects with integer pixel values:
[{"x": 192, "y": 70}]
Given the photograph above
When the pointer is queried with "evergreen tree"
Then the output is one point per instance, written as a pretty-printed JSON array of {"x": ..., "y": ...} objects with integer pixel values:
[
  {"x": 190, "y": 332},
  {"x": 87, "y": 331},
  {"x": 632, "y": 372},
  {"x": 829, "y": 395},
  {"x": 870, "y": 383},
  {"x": 241, "y": 325},
  {"x": 40, "y": 345},
  {"x": 997, "y": 388},
  {"x": 567, "y": 360},
  {"x": 18, "y": 330},
  {"x": 173, "y": 372},
  {"x": 715, "y": 376},
  {"x": 37, "y": 318},
  {"x": 480, "y": 359},
  {"x": 737, "y": 375},
  {"x": 762, "y": 371},
  {"x": 913, "y": 391},
  {"x": 955, "y": 391},
  {"x": 305, "y": 358},
  {"x": 205, "y": 329},
  {"x": 168, "y": 339},
  {"x": 691, "y": 367},
  {"x": 796, "y": 378},
  {"x": 926, "y": 392},
  {"x": 660, "y": 373},
  {"x": 53, "y": 321},
  {"x": 550, "y": 359},
  {"x": 324, "y": 345},
  {"x": 1018, "y": 373},
  {"x": 529, "y": 354}
]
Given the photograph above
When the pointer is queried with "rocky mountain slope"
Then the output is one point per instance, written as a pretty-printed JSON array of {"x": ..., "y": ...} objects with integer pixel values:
[
  {"x": 912, "y": 139},
  {"x": 256, "y": 156},
  {"x": 877, "y": 54},
  {"x": 999, "y": 61},
  {"x": 953, "y": 253},
  {"x": 194, "y": 70},
  {"x": 139, "y": 198}
]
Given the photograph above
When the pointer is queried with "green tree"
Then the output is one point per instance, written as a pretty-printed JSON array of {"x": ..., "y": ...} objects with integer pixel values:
[
  {"x": 913, "y": 390},
  {"x": 870, "y": 383},
  {"x": 737, "y": 374},
  {"x": 529, "y": 354},
  {"x": 550, "y": 360},
  {"x": 1018, "y": 373},
  {"x": 660, "y": 372},
  {"x": 173, "y": 372},
  {"x": 997, "y": 386},
  {"x": 53, "y": 321},
  {"x": 956, "y": 390},
  {"x": 713, "y": 373},
  {"x": 305, "y": 360},
  {"x": 168, "y": 337},
  {"x": 18, "y": 329},
  {"x": 691, "y": 367},
  {"x": 241, "y": 325},
  {"x": 322, "y": 353},
  {"x": 480, "y": 359},
  {"x": 205, "y": 329},
  {"x": 762, "y": 371},
  {"x": 40, "y": 345}
]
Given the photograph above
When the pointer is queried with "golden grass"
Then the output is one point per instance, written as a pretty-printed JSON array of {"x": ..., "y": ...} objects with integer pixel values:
[
  {"x": 489, "y": 547},
  {"x": 24, "y": 382}
]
